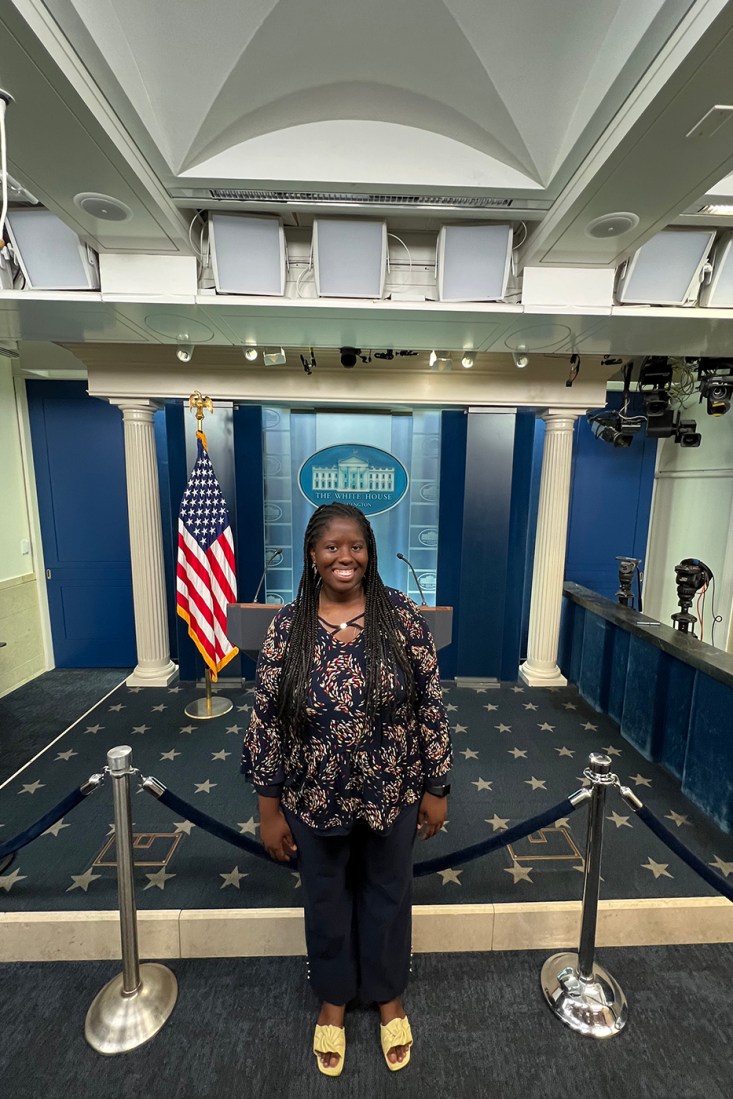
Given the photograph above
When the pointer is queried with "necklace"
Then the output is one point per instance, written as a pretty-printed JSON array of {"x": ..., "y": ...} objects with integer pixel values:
[{"x": 336, "y": 628}]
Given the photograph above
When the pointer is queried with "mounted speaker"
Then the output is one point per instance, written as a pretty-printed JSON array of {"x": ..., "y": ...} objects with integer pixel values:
[
  {"x": 248, "y": 254},
  {"x": 350, "y": 257},
  {"x": 473, "y": 262},
  {"x": 667, "y": 270},
  {"x": 50, "y": 254}
]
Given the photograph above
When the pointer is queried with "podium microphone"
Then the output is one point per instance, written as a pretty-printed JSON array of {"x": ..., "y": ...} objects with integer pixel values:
[
  {"x": 422, "y": 593},
  {"x": 269, "y": 561}
]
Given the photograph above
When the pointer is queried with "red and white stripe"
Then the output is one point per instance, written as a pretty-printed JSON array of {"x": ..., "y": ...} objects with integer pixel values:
[{"x": 205, "y": 585}]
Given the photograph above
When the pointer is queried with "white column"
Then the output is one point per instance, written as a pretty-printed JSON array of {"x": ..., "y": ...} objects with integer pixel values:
[
  {"x": 154, "y": 665},
  {"x": 540, "y": 668}
]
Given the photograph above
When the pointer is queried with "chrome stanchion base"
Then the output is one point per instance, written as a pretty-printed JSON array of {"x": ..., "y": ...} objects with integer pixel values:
[
  {"x": 117, "y": 1022},
  {"x": 596, "y": 1009},
  {"x": 205, "y": 708}
]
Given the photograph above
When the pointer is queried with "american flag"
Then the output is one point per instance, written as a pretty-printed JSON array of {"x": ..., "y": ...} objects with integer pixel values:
[{"x": 205, "y": 576}]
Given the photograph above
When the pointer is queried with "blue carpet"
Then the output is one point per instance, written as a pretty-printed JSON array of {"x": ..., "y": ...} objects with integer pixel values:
[
  {"x": 242, "y": 1028},
  {"x": 518, "y": 751}
]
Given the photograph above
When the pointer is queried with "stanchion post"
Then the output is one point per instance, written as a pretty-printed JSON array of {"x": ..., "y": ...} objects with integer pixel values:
[
  {"x": 135, "y": 1004},
  {"x": 581, "y": 993}
]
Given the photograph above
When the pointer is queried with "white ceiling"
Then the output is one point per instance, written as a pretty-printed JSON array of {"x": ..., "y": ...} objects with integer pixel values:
[{"x": 567, "y": 111}]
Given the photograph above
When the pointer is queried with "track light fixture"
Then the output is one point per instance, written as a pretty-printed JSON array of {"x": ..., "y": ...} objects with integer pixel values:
[
  {"x": 349, "y": 355},
  {"x": 520, "y": 359},
  {"x": 468, "y": 359},
  {"x": 274, "y": 356},
  {"x": 184, "y": 352},
  {"x": 250, "y": 354},
  {"x": 309, "y": 361}
]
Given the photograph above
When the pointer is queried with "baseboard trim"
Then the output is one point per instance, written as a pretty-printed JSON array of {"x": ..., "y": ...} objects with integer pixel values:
[{"x": 277, "y": 932}]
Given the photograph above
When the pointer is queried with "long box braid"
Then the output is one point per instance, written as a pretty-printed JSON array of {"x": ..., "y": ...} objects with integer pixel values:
[{"x": 384, "y": 644}]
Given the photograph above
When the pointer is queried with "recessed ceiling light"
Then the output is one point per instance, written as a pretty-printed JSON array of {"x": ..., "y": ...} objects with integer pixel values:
[
  {"x": 250, "y": 354},
  {"x": 611, "y": 225},
  {"x": 102, "y": 207},
  {"x": 468, "y": 359}
]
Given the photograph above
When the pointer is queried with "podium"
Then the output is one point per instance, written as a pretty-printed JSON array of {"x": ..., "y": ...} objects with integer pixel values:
[{"x": 247, "y": 624}]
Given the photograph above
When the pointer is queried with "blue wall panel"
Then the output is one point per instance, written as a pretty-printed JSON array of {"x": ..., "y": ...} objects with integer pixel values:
[
  {"x": 484, "y": 562},
  {"x": 610, "y": 502},
  {"x": 708, "y": 772},
  {"x": 454, "y": 428}
]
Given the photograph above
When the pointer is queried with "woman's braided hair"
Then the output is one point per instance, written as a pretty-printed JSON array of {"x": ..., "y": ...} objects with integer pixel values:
[{"x": 384, "y": 644}]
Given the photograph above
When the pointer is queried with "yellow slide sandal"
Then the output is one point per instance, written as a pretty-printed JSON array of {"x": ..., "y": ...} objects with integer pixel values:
[
  {"x": 396, "y": 1033},
  {"x": 330, "y": 1039}
]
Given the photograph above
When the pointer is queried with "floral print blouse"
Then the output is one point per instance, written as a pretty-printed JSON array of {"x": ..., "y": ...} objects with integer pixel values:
[{"x": 343, "y": 771}]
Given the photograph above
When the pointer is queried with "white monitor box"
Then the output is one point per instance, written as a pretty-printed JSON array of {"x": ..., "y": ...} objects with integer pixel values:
[
  {"x": 350, "y": 257},
  {"x": 473, "y": 262},
  {"x": 50, "y": 254},
  {"x": 667, "y": 269},
  {"x": 717, "y": 291},
  {"x": 248, "y": 254}
]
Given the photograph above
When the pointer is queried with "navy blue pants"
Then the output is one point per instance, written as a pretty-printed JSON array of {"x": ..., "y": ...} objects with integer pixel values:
[{"x": 357, "y": 896}]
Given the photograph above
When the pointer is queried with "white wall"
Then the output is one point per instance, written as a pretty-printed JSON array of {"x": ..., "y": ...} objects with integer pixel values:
[
  {"x": 692, "y": 516},
  {"x": 15, "y": 526}
]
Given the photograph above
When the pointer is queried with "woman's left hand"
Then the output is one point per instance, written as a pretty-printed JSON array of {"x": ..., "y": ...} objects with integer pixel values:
[{"x": 431, "y": 815}]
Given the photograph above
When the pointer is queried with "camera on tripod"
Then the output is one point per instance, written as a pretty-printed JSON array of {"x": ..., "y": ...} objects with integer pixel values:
[
  {"x": 692, "y": 576},
  {"x": 626, "y": 569}
]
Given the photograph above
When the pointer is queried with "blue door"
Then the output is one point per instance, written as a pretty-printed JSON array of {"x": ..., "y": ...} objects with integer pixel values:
[{"x": 78, "y": 453}]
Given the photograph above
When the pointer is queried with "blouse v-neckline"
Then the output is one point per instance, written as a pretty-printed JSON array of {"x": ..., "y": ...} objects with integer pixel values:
[{"x": 335, "y": 628}]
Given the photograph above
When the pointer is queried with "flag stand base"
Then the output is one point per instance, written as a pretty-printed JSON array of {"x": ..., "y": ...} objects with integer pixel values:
[{"x": 203, "y": 709}]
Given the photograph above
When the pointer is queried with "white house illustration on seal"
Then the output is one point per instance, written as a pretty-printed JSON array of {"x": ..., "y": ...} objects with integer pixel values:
[{"x": 354, "y": 474}]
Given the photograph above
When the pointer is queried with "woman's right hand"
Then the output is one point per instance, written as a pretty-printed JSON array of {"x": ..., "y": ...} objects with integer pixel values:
[{"x": 276, "y": 837}]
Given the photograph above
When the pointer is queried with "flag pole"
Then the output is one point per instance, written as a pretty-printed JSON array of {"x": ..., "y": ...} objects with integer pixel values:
[{"x": 209, "y": 706}]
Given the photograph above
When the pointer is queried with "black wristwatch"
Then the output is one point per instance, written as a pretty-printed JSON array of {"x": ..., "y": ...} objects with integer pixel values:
[{"x": 438, "y": 791}]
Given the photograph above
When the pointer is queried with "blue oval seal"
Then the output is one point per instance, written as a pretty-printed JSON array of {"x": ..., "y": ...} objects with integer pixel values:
[{"x": 353, "y": 473}]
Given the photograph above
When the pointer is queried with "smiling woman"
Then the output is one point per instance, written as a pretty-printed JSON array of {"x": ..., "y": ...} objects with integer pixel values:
[{"x": 349, "y": 751}]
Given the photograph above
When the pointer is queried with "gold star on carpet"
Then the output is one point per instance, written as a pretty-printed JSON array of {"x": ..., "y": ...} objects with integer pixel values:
[
  {"x": 569, "y": 706},
  {"x": 565, "y": 752},
  {"x": 460, "y": 729},
  {"x": 611, "y": 751},
  {"x": 678, "y": 818},
  {"x": 518, "y": 753},
  {"x": 296, "y": 875},
  {"x": 32, "y": 787},
  {"x": 468, "y": 754},
  {"x": 725, "y": 868},
  {"x": 184, "y": 826},
  {"x": 519, "y": 873},
  {"x": 170, "y": 755},
  {"x": 7, "y": 881},
  {"x": 55, "y": 828},
  {"x": 159, "y": 878},
  {"x": 93, "y": 728},
  {"x": 518, "y": 690},
  {"x": 66, "y": 755},
  {"x": 639, "y": 780},
  {"x": 83, "y": 881},
  {"x": 545, "y": 728},
  {"x": 222, "y": 755},
  {"x": 497, "y": 823},
  {"x": 140, "y": 728},
  {"x": 450, "y": 876},
  {"x": 482, "y": 784},
  {"x": 234, "y": 877},
  {"x": 490, "y": 706},
  {"x": 536, "y": 783},
  {"x": 589, "y": 727},
  {"x": 618, "y": 820},
  {"x": 234, "y": 728},
  {"x": 248, "y": 826},
  {"x": 562, "y": 822},
  {"x": 503, "y": 728},
  {"x": 450, "y": 708},
  {"x": 116, "y": 709},
  {"x": 187, "y": 729},
  {"x": 205, "y": 787},
  {"x": 244, "y": 709},
  {"x": 173, "y": 690},
  {"x": 530, "y": 706},
  {"x": 658, "y": 869},
  {"x": 159, "y": 709}
]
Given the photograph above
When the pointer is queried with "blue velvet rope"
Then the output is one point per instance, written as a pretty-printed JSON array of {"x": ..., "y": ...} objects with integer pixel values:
[
  {"x": 224, "y": 832},
  {"x": 706, "y": 872},
  {"x": 51, "y": 817},
  {"x": 495, "y": 843}
]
